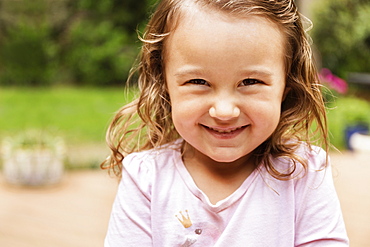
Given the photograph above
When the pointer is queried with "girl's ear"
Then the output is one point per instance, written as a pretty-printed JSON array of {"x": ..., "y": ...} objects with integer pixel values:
[{"x": 286, "y": 91}]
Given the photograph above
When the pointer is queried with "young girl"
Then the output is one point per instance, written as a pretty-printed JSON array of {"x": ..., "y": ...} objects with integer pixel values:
[{"x": 215, "y": 151}]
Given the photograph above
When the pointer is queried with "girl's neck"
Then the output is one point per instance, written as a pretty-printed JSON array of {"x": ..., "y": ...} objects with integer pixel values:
[{"x": 217, "y": 180}]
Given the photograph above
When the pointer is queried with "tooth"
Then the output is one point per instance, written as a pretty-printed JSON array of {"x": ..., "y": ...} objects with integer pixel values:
[{"x": 225, "y": 131}]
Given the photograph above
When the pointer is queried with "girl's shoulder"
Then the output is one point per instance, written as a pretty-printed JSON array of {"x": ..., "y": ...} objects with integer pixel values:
[
  {"x": 317, "y": 158},
  {"x": 156, "y": 158},
  {"x": 308, "y": 158}
]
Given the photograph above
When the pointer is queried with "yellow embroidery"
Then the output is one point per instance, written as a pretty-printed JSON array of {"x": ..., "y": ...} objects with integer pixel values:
[{"x": 185, "y": 220}]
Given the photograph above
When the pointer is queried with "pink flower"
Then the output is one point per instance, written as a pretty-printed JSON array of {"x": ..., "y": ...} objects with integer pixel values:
[{"x": 333, "y": 81}]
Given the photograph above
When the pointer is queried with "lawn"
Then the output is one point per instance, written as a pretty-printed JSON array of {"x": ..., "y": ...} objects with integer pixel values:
[{"x": 79, "y": 115}]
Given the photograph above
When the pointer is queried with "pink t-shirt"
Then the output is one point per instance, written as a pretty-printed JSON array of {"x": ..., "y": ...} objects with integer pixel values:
[{"x": 158, "y": 204}]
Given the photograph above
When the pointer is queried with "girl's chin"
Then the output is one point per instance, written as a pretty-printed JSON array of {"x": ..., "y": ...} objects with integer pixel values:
[
  {"x": 220, "y": 156},
  {"x": 225, "y": 161}
]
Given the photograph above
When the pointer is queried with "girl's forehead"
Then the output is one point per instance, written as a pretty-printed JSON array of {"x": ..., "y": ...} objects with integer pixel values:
[
  {"x": 191, "y": 9},
  {"x": 214, "y": 26},
  {"x": 209, "y": 34},
  {"x": 190, "y": 13},
  {"x": 195, "y": 13}
]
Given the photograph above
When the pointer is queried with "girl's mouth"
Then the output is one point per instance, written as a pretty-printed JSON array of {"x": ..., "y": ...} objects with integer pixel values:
[{"x": 225, "y": 131}]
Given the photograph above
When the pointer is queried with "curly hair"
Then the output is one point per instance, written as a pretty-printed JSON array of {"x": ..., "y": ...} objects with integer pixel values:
[{"x": 146, "y": 122}]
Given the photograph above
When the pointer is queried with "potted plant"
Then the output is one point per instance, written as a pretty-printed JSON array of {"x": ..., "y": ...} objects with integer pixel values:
[{"x": 33, "y": 158}]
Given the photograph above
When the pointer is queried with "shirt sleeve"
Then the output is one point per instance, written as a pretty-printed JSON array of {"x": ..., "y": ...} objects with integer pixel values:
[
  {"x": 130, "y": 220},
  {"x": 319, "y": 220}
]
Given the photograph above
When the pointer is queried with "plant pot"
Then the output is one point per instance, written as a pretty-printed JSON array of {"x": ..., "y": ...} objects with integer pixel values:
[
  {"x": 352, "y": 129},
  {"x": 33, "y": 158},
  {"x": 32, "y": 167}
]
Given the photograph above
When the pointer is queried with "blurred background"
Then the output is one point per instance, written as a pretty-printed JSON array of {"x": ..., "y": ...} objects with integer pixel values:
[{"x": 63, "y": 67}]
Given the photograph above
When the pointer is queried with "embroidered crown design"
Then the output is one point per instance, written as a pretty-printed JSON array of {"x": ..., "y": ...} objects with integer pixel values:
[{"x": 185, "y": 219}]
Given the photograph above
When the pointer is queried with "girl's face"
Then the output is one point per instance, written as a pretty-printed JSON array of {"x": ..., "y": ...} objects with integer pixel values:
[{"x": 226, "y": 81}]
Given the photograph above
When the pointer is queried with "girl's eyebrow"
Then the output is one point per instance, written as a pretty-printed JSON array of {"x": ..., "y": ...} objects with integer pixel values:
[
  {"x": 196, "y": 72},
  {"x": 189, "y": 71},
  {"x": 258, "y": 72}
]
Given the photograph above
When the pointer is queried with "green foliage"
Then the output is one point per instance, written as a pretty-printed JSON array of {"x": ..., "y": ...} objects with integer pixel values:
[
  {"x": 102, "y": 44},
  {"x": 84, "y": 42},
  {"x": 126, "y": 15},
  {"x": 34, "y": 140},
  {"x": 345, "y": 112},
  {"x": 28, "y": 56},
  {"x": 98, "y": 54},
  {"x": 342, "y": 34}
]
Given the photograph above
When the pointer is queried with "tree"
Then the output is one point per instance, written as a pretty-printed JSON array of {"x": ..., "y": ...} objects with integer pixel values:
[
  {"x": 84, "y": 42},
  {"x": 342, "y": 34}
]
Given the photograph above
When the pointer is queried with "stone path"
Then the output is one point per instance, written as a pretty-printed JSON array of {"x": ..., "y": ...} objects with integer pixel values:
[
  {"x": 352, "y": 180},
  {"x": 75, "y": 213}
]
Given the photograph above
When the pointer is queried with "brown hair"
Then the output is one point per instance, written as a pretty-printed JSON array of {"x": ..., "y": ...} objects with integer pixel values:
[{"x": 146, "y": 122}]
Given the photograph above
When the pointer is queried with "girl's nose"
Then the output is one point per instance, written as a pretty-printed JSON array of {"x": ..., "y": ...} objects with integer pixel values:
[{"x": 224, "y": 110}]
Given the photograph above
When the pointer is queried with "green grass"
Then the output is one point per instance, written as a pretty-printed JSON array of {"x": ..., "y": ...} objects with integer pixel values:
[{"x": 79, "y": 115}]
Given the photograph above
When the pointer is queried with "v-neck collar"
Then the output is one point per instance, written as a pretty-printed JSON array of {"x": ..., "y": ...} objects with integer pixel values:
[{"x": 220, "y": 205}]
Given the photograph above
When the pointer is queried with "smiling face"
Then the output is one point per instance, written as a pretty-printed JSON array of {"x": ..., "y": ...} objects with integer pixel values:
[{"x": 226, "y": 80}]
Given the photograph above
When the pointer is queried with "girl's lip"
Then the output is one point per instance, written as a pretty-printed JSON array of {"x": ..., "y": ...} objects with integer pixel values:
[{"x": 225, "y": 131}]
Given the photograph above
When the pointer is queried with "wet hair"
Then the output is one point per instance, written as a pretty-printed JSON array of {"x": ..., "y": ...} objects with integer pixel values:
[{"x": 146, "y": 122}]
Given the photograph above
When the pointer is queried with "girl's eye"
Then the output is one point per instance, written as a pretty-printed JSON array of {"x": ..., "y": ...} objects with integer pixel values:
[
  {"x": 198, "y": 82},
  {"x": 249, "y": 82}
]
